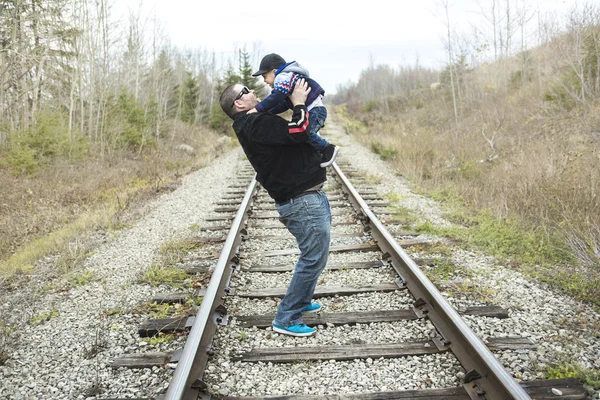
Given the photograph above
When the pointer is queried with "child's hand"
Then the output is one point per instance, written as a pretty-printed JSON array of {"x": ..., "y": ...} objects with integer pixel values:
[{"x": 252, "y": 111}]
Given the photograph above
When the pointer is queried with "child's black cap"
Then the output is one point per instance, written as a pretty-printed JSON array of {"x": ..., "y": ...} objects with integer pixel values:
[{"x": 269, "y": 62}]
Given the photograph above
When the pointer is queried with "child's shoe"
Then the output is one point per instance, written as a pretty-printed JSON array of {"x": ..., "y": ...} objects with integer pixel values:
[{"x": 329, "y": 153}]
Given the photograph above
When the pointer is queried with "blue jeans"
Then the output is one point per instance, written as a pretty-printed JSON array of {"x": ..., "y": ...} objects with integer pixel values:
[
  {"x": 317, "y": 117},
  {"x": 308, "y": 218}
]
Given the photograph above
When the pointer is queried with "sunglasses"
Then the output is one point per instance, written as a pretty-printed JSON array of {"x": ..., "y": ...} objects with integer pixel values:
[{"x": 244, "y": 91}]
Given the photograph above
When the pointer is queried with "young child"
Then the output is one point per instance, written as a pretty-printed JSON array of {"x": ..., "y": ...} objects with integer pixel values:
[{"x": 282, "y": 77}]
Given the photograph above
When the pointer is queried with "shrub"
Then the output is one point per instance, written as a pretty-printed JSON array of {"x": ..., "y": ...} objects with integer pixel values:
[
  {"x": 21, "y": 160},
  {"x": 370, "y": 106},
  {"x": 353, "y": 127},
  {"x": 128, "y": 126},
  {"x": 48, "y": 139},
  {"x": 572, "y": 370},
  {"x": 385, "y": 152}
]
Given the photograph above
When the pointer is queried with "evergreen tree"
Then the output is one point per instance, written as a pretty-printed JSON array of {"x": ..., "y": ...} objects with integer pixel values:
[
  {"x": 218, "y": 120},
  {"x": 247, "y": 79},
  {"x": 190, "y": 93},
  {"x": 246, "y": 70}
]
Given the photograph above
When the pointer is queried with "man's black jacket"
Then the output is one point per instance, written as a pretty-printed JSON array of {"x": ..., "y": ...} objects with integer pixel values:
[{"x": 284, "y": 163}]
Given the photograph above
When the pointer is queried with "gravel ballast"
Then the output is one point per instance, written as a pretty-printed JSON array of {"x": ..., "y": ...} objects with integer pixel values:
[
  {"x": 54, "y": 359},
  {"x": 69, "y": 355}
]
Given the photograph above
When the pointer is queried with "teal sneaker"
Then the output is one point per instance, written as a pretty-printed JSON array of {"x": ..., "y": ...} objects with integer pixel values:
[
  {"x": 312, "y": 308},
  {"x": 295, "y": 330}
]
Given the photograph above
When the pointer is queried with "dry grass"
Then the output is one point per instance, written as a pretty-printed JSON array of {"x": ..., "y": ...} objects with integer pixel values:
[
  {"x": 509, "y": 154},
  {"x": 47, "y": 213}
]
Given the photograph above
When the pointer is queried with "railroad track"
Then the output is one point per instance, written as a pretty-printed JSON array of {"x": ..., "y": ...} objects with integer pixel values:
[{"x": 385, "y": 329}]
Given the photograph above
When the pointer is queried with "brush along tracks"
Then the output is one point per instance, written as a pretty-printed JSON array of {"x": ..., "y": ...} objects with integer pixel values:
[{"x": 385, "y": 331}]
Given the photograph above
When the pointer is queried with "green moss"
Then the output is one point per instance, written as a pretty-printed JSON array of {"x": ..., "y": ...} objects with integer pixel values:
[
  {"x": 571, "y": 370},
  {"x": 479, "y": 291},
  {"x": 581, "y": 286},
  {"x": 183, "y": 246},
  {"x": 112, "y": 311},
  {"x": 395, "y": 197},
  {"x": 194, "y": 301},
  {"x": 38, "y": 319},
  {"x": 159, "y": 339},
  {"x": 443, "y": 269},
  {"x": 506, "y": 238},
  {"x": 432, "y": 248},
  {"x": 533, "y": 252},
  {"x": 372, "y": 179},
  {"x": 427, "y": 227},
  {"x": 405, "y": 215},
  {"x": 157, "y": 276},
  {"x": 81, "y": 278},
  {"x": 173, "y": 252},
  {"x": 160, "y": 310},
  {"x": 165, "y": 310},
  {"x": 243, "y": 336}
]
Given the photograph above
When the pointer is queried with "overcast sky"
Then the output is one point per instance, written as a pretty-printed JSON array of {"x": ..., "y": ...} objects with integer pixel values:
[{"x": 333, "y": 40}]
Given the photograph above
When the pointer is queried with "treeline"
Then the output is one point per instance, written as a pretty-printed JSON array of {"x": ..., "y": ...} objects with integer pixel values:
[
  {"x": 74, "y": 80},
  {"x": 509, "y": 124},
  {"x": 509, "y": 46}
]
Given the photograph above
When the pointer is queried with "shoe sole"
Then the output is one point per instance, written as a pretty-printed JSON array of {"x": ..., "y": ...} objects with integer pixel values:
[
  {"x": 328, "y": 163},
  {"x": 290, "y": 333}
]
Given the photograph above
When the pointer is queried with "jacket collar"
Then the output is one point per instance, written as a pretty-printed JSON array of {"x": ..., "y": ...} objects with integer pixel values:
[
  {"x": 240, "y": 114},
  {"x": 283, "y": 67}
]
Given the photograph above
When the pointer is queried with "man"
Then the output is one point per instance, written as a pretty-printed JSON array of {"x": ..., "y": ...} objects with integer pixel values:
[{"x": 288, "y": 168}]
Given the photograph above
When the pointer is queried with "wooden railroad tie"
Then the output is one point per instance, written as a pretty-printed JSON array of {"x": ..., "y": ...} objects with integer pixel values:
[
  {"x": 373, "y": 351},
  {"x": 365, "y": 247},
  {"x": 266, "y": 268},
  {"x": 540, "y": 389},
  {"x": 321, "y": 291},
  {"x": 153, "y": 327},
  {"x": 230, "y": 217},
  {"x": 363, "y": 317}
]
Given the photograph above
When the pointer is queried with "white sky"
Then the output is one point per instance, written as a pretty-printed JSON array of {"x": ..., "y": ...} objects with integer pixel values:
[{"x": 332, "y": 39}]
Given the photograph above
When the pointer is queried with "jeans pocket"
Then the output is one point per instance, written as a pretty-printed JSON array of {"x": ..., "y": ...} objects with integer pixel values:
[
  {"x": 316, "y": 205},
  {"x": 288, "y": 216},
  {"x": 283, "y": 210},
  {"x": 321, "y": 117}
]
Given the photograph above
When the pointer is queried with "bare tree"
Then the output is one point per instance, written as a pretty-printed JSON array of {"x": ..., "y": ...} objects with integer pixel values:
[{"x": 449, "y": 48}]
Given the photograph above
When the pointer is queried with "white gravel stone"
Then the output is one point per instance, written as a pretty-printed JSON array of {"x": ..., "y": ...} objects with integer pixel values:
[{"x": 49, "y": 359}]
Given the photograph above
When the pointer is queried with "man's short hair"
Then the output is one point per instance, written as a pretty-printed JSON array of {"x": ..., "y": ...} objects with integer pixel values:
[{"x": 227, "y": 99}]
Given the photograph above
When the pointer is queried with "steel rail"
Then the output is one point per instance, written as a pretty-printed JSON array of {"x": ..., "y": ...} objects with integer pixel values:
[
  {"x": 194, "y": 357},
  {"x": 486, "y": 375}
]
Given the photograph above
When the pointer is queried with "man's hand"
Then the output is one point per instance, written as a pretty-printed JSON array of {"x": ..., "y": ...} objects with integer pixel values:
[{"x": 300, "y": 93}]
